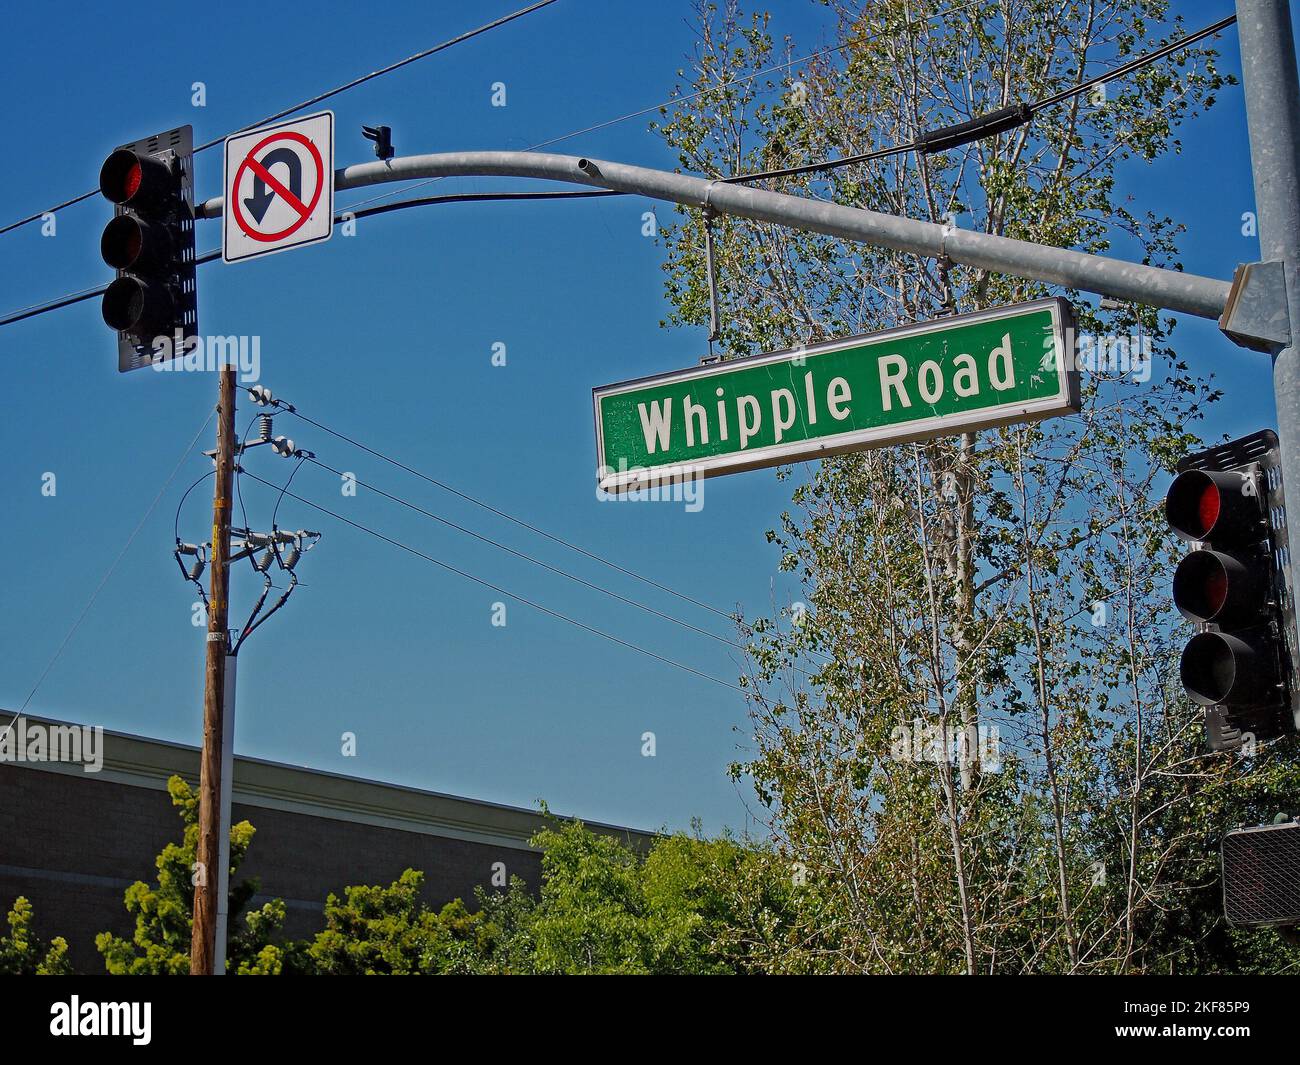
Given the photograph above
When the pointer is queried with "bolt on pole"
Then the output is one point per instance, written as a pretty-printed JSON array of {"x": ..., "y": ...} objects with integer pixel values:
[
  {"x": 1272, "y": 91},
  {"x": 207, "y": 883}
]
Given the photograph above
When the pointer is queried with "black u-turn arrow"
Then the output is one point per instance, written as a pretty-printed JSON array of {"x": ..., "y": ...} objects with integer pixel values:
[{"x": 260, "y": 202}]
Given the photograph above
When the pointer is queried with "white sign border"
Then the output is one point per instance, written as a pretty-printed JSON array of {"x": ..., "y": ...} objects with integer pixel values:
[
  {"x": 227, "y": 212},
  {"x": 1066, "y": 401}
]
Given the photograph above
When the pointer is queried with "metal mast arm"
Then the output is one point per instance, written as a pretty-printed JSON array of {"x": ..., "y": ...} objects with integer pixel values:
[{"x": 1133, "y": 282}]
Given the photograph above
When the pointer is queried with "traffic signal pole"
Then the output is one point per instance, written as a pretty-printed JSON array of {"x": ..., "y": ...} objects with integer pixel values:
[
  {"x": 1272, "y": 90},
  {"x": 214, "y": 770},
  {"x": 1174, "y": 290}
]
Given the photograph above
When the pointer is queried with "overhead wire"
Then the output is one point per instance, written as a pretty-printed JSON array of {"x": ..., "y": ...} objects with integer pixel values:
[
  {"x": 542, "y": 564},
  {"x": 241, "y": 447},
  {"x": 280, "y": 498},
  {"x": 212, "y": 255},
  {"x": 358, "y": 210},
  {"x": 877, "y": 153},
  {"x": 1034, "y": 107},
  {"x": 318, "y": 98},
  {"x": 729, "y": 616},
  {"x": 112, "y": 568},
  {"x": 711, "y": 90},
  {"x": 176, "y": 524},
  {"x": 503, "y": 591},
  {"x": 513, "y": 519}
]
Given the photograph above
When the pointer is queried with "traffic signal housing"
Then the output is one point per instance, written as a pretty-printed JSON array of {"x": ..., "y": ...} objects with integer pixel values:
[
  {"x": 1261, "y": 875},
  {"x": 152, "y": 304},
  {"x": 1239, "y": 664}
]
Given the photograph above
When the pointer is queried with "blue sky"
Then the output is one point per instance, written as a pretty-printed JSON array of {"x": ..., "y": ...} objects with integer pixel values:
[{"x": 388, "y": 336}]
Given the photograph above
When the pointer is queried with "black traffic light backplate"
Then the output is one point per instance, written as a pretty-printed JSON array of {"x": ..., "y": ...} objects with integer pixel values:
[
  {"x": 1258, "y": 452},
  {"x": 175, "y": 146}
]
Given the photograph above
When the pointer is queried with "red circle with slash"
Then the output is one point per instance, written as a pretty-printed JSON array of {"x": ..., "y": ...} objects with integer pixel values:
[{"x": 303, "y": 210}]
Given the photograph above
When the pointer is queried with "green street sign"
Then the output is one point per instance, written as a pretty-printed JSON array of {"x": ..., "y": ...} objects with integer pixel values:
[{"x": 916, "y": 382}]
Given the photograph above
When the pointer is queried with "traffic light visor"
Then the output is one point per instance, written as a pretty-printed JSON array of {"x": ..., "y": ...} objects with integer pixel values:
[
  {"x": 134, "y": 180},
  {"x": 1201, "y": 585},
  {"x": 137, "y": 307},
  {"x": 131, "y": 244},
  {"x": 1194, "y": 505},
  {"x": 1218, "y": 668},
  {"x": 1218, "y": 505}
]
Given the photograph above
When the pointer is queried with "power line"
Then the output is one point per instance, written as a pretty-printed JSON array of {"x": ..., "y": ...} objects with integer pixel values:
[
  {"x": 55, "y": 304},
  {"x": 1135, "y": 64},
  {"x": 113, "y": 567},
  {"x": 502, "y": 514},
  {"x": 275, "y": 511},
  {"x": 176, "y": 521},
  {"x": 1028, "y": 110},
  {"x": 320, "y": 97},
  {"x": 475, "y": 197},
  {"x": 536, "y": 561},
  {"x": 692, "y": 96},
  {"x": 976, "y": 128},
  {"x": 878, "y": 153},
  {"x": 241, "y": 445},
  {"x": 82, "y": 295},
  {"x": 973, "y": 130},
  {"x": 490, "y": 508},
  {"x": 502, "y": 591}
]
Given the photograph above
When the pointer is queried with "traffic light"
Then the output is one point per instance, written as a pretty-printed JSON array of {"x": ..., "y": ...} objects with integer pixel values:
[
  {"x": 152, "y": 304},
  {"x": 1239, "y": 665},
  {"x": 1261, "y": 875}
]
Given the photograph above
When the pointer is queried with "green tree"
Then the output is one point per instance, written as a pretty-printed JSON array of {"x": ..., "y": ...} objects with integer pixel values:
[
  {"x": 1011, "y": 580},
  {"x": 163, "y": 912},
  {"x": 23, "y": 954},
  {"x": 389, "y": 931},
  {"x": 689, "y": 906}
]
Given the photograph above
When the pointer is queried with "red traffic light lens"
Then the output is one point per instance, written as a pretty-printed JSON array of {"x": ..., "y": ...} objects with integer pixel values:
[
  {"x": 1223, "y": 506},
  {"x": 1208, "y": 506},
  {"x": 131, "y": 184},
  {"x": 135, "y": 180},
  {"x": 1193, "y": 505},
  {"x": 121, "y": 176}
]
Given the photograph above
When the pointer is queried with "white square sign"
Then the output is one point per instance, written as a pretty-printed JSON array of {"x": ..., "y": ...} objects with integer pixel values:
[{"x": 279, "y": 187}]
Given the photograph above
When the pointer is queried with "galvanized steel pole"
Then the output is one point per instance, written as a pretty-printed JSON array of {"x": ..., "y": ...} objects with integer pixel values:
[
  {"x": 1170, "y": 289},
  {"x": 1268, "y": 68}
]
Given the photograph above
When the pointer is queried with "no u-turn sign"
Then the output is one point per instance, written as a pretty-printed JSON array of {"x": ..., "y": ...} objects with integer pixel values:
[{"x": 279, "y": 187}]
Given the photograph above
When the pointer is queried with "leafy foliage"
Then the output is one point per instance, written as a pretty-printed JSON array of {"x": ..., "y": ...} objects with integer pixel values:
[
  {"x": 686, "y": 907},
  {"x": 1010, "y": 580},
  {"x": 690, "y": 906},
  {"x": 390, "y": 932},
  {"x": 164, "y": 912},
  {"x": 22, "y": 954}
]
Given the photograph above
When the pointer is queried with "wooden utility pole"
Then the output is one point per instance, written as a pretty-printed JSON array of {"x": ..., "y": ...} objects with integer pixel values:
[{"x": 207, "y": 878}]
